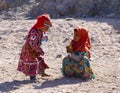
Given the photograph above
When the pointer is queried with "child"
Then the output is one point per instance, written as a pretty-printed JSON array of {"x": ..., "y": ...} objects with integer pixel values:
[
  {"x": 77, "y": 63},
  {"x": 31, "y": 63}
]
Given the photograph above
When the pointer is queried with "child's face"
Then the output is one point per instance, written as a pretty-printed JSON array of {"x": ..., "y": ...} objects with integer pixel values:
[
  {"x": 76, "y": 38},
  {"x": 45, "y": 28}
]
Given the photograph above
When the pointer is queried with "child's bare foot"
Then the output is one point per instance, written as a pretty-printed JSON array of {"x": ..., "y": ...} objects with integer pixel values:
[{"x": 45, "y": 75}]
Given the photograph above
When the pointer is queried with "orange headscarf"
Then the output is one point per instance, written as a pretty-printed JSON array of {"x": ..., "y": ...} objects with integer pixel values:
[
  {"x": 84, "y": 41},
  {"x": 41, "y": 20}
]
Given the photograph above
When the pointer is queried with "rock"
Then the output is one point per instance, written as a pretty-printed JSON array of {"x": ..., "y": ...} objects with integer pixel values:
[
  {"x": 0, "y": 38},
  {"x": 59, "y": 56},
  {"x": 65, "y": 40}
]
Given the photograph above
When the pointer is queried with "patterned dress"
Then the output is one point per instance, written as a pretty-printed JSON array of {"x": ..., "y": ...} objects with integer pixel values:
[
  {"x": 81, "y": 68},
  {"x": 31, "y": 63}
]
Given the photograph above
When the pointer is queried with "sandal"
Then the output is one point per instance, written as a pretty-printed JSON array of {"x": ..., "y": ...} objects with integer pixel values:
[{"x": 33, "y": 78}]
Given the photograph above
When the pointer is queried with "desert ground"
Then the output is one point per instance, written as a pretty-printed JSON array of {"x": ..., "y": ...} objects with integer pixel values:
[{"x": 105, "y": 60}]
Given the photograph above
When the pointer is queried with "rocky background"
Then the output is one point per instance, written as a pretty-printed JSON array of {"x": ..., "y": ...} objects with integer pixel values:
[{"x": 19, "y": 9}]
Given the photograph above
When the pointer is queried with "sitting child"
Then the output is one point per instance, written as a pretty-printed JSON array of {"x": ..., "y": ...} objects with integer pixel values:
[{"x": 77, "y": 63}]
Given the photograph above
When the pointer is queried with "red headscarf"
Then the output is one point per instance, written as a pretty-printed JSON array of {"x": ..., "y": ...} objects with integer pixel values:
[
  {"x": 41, "y": 20},
  {"x": 84, "y": 41}
]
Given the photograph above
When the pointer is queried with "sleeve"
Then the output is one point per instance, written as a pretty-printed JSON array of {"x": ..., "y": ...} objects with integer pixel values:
[{"x": 34, "y": 41}]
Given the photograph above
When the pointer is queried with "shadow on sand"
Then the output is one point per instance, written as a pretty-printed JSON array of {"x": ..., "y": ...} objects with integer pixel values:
[
  {"x": 14, "y": 85},
  {"x": 59, "y": 81},
  {"x": 9, "y": 86}
]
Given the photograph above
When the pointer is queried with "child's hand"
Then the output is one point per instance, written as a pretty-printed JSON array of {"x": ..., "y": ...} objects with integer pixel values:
[
  {"x": 69, "y": 49},
  {"x": 46, "y": 38},
  {"x": 42, "y": 52}
]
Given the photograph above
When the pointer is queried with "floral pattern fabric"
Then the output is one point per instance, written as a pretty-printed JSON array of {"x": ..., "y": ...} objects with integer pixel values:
[{"x": 82, "y": 68}]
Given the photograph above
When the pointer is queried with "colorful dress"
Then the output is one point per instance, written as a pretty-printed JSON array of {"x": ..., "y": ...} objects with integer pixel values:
[
  {"x": 81, "y": 68},
  {"x": 31, "y": 63}
]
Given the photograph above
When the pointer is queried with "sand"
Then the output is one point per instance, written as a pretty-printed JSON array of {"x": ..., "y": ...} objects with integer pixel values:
[{"x": 105, "y": 60}]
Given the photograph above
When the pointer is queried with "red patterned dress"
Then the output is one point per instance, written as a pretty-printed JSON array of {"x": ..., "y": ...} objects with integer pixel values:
[{"x": 31, "y": 63}]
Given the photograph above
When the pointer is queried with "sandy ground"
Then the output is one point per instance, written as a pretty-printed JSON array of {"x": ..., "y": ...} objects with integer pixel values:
[{"x": 105, "y": 61}]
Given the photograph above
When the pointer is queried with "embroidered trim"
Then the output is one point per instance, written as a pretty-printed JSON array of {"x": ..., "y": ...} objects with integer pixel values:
[{"x": 29, "y": 63}]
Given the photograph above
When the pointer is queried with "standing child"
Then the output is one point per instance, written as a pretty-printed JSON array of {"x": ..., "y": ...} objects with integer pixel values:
[
  {"x": 77, "y": 63},
  {"x": 31, "y": 63}
]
